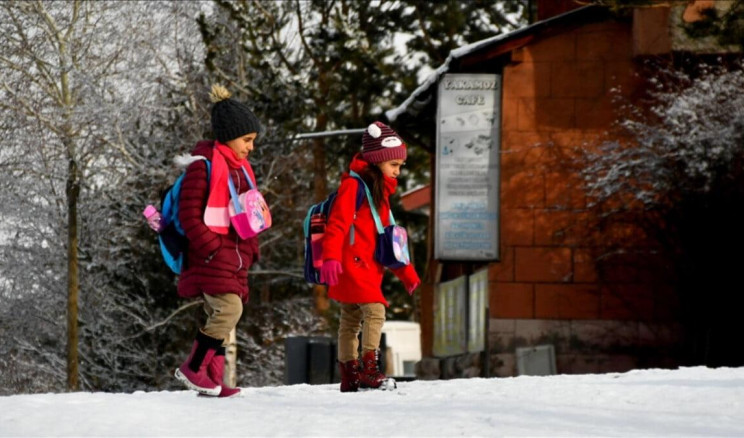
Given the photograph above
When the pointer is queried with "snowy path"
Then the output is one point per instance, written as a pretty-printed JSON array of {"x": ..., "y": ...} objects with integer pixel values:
[{"x": 685, "y": 402}]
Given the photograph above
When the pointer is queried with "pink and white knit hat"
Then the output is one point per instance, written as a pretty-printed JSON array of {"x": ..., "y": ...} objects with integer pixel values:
[{"x": 380, "y": 143}]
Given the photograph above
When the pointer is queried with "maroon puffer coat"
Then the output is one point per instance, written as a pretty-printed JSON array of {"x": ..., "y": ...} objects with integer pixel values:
[{"x": 215, "y": 263}]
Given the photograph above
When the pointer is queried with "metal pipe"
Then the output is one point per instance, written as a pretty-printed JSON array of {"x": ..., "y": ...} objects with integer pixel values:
[{"x": 327, "y": 133}]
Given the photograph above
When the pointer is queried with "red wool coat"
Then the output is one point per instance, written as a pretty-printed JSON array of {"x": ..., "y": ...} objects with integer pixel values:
[
  {"x": 215, "y": 263},
  {"x": 361, "y": 279}
]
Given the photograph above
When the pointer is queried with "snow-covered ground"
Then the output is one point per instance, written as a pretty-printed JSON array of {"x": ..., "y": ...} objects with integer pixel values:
[{"x": 685, "y": 402}]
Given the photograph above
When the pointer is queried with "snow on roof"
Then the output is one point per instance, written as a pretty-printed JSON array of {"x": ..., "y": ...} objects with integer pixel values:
[
  {"x": 463, "y": 51},
  {"x": 444, "y": 68},
  {"x": 415, "y": 189}
]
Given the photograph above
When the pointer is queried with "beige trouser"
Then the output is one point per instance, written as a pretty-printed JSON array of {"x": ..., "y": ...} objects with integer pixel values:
[
  {"x": 223, "y": 313},
  {"x": 368, "y": 318}
]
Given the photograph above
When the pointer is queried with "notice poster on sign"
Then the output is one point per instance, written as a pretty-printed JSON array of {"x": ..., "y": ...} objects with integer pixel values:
[
  {"x": 477, "y": 305},
  {"x": 450, "y": 318},
  {"x": 467, "y": 167}
]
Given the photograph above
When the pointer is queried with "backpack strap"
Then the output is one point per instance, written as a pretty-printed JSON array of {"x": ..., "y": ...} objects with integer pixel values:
[
  {"x": 375, "y": 215},
  {"x": 361, "y": 186},
  {"x": 170, "y": 201},
  {"x": 233, "y": 192}
]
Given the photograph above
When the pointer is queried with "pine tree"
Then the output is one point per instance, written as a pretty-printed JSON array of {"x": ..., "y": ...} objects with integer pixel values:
[{"x": 315, "y": 66}]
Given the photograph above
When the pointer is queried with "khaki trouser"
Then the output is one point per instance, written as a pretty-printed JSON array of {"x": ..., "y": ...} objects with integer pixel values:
[
  {"x": 368, "y": 318},
  {"x": 223, "y": 313}
]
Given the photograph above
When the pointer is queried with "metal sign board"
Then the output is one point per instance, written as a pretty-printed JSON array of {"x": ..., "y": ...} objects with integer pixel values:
[
  {"x": 467, "y": 167},
  {"x": 450, "y": 318},
  {"x": 536, "y": 361},
  {"x": 477, "y": 304}
]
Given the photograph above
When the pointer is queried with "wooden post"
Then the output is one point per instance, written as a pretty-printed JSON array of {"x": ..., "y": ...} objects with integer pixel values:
[
  {"x": 322, "y": 302},
  {"x": 231, "y": 356}
]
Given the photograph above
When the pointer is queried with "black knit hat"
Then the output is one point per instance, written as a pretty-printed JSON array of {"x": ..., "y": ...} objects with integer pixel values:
[{"x": 230, "y": 118}]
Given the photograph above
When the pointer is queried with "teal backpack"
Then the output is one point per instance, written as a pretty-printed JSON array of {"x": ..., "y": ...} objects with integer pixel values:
[
  {"x": 314, "y": 229},
  {"x": 173, "y": 241}
]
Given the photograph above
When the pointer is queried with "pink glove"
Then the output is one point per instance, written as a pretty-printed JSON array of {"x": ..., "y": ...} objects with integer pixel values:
[
  {"x": 330, "y": 271},
  {"x": 412, "y": 287}
]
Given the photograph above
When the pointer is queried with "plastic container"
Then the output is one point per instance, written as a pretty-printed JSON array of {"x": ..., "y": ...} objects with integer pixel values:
[{"x": 153, "y": 218}]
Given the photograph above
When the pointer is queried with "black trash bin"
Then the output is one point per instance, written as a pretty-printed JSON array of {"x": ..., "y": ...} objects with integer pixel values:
[
  {"x": 295, "y": 360},
  {"x": 321, "y": 360},
  {"x": 310, "y": 359}
]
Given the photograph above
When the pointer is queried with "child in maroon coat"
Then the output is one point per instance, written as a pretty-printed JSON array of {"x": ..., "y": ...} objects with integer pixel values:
[
  {"x": 353, "y": 276},
  {"x": 218, "y": 259}
]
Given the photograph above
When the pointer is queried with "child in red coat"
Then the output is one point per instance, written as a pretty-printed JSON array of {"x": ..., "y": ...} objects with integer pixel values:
[{"x": 353, "y": 276}]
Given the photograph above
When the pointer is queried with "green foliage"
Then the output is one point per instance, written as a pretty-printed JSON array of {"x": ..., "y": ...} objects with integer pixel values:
[
  {"x": 324, "y": 65},
  {"x": 442, "y": 26},
  {"x": 727, "y": 28},
  {"x": 681, "y": 183},
  {"x": 303, "y": 66}
]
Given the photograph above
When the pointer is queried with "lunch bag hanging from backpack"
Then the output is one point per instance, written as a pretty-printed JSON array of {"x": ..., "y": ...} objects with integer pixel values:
[
  {"x": 391, "y": 250},
  {"x": 249, "y": 213}
]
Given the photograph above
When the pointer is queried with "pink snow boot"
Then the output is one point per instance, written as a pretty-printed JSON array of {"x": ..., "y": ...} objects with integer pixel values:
[
  {"x": 349, "y": 375},
  {"x": 193, "y": 372},
  {"x": 216, "y": 371}
]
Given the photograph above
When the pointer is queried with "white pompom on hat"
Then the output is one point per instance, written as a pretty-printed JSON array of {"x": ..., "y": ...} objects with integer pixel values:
[{"x": 380, "y": 143}]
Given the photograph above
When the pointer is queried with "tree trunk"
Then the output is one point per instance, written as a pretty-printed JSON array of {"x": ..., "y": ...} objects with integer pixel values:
[{"x": 73, "y": 282}]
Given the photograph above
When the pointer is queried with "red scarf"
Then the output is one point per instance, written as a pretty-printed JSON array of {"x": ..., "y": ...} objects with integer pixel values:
[
  {"x": 358, "y": 164},
  {"x": 216, "y": 215}
]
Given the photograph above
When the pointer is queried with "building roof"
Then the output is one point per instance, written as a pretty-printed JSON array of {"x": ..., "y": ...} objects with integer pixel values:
[
  {"x": 487, "y": 49},
  {"x": 416, "y": 198}
]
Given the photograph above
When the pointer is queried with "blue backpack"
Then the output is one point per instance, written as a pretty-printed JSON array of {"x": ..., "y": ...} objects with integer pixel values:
[
  {"x": 314, "y": 229},
  {"x": 173, "y": 241}
]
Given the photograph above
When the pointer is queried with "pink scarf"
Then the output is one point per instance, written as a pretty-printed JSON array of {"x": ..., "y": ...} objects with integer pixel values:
[{"x": 216, "y": 215}]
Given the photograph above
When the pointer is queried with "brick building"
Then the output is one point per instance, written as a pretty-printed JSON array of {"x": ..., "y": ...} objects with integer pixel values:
[{"x": 559, "y": 77}]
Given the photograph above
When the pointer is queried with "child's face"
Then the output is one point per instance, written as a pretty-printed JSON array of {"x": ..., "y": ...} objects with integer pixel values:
[
  {"x": 242, "y": 145},
  {"x": 391, "y": 169}
]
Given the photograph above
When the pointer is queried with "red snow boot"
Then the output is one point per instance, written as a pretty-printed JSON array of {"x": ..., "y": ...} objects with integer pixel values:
[
  {"x": 349, "y": 375},
  {"x": 193, "y": 372},
  {"x": 372, "y": 377},
  {"x": 216, "y": 370}
]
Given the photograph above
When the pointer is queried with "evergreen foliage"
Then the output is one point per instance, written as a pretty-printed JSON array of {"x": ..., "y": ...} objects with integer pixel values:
[
  {"x": 135, "y": 95},
  {"x": 679, "y": 178},
  {"x": 314, "y": 66}
]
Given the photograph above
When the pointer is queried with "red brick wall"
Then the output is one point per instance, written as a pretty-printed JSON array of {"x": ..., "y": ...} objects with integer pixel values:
[{"x": 560, "y": 96}]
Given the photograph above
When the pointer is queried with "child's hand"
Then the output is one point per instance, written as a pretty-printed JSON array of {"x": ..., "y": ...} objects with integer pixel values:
[
  {"x": 330, "y": 271},
  {"x": 412, "y": 287}
]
